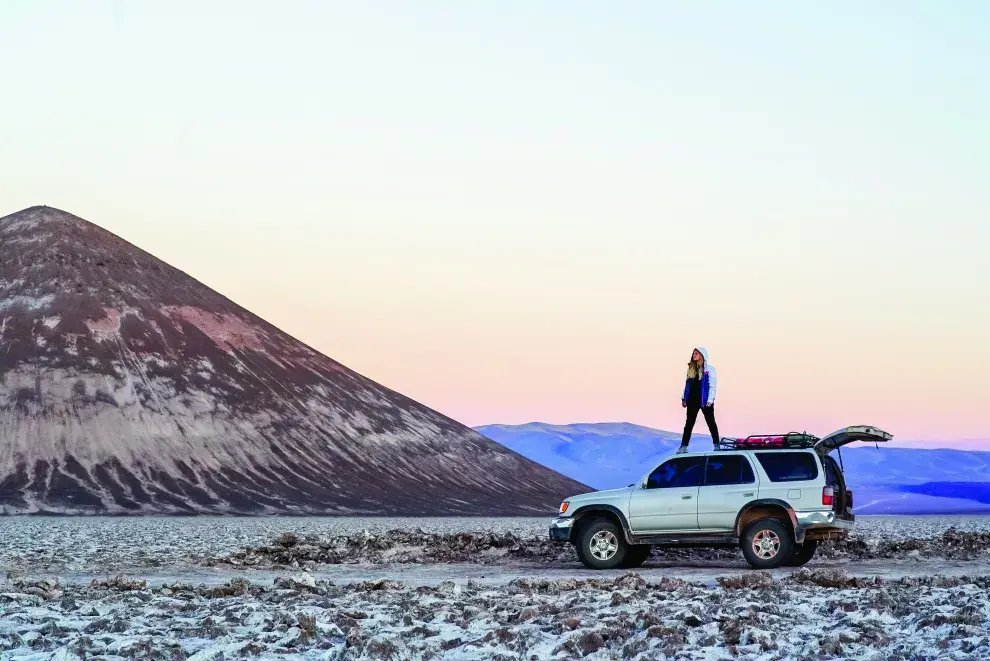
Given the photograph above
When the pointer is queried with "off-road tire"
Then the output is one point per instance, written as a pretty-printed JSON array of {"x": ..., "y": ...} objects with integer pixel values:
[
  {"x": 601, "y": 545},
  {"x": 767, "y": 543},
  {"x": 803, "y": 553},
  {"x": 637, "y": 555}
]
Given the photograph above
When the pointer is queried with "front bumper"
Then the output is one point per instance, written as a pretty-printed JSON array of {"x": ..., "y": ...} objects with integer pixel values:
[
  {"x": 560, "y": 529},
  {"x": 820, "y": 525}
]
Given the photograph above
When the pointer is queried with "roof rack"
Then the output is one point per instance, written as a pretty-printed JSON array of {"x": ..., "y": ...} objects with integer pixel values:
[{"x": 789, "y": 441}]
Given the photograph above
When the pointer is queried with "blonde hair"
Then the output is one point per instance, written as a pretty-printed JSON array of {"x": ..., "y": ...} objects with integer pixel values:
[{"x": 695, "y": 369}]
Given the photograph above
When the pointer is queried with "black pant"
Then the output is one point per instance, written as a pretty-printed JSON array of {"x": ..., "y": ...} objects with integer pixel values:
[{"x": 692, "y": 416}]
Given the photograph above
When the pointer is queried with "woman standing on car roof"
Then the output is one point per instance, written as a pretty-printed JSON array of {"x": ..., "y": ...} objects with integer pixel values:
[{"x": 699, "y": 395}]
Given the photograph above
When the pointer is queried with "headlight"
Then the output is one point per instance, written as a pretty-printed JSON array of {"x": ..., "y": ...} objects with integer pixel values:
[{"x": 563, "y": 506}]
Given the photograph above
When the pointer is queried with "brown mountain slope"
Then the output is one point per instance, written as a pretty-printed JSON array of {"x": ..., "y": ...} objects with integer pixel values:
[{"x": 126, "y": 386}]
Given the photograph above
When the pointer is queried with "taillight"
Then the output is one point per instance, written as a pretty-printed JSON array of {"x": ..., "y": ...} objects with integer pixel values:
[
  {"x": 828, "y": 496},
  {"x": 563, "y": 506}
]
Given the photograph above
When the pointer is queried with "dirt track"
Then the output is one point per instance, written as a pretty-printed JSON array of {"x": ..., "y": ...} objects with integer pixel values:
[{"x": 503, "y": 574}]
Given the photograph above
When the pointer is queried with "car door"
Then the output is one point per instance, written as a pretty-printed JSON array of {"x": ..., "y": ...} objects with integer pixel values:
[
  {"x": 667, "y": 500},
  {"x": 730, "y": 482}
]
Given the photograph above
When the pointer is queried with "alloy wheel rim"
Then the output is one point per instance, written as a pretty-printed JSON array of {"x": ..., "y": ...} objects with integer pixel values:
[
  {"x": 766, "y": 544},
  {"x": 604, "y": 545}
]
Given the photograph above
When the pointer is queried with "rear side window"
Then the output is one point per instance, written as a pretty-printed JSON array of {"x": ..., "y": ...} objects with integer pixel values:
[
  {"x": 788, "y": 466},
  {"x": 728, "y": 469},
  {"x": 682, "y": 472}
]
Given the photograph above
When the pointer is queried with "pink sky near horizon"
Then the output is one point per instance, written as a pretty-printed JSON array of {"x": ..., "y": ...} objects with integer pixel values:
[{"x": 521, "y": 213}]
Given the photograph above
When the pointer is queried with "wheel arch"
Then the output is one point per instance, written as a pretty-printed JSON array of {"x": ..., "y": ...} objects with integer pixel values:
[
  {"x": 584, "y": 514},
  {"x": 765, "y": 508}
]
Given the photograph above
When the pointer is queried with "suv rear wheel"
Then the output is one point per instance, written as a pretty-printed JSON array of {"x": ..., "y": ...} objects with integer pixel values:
[
  {"x": 767, "y": 543},
  {"x": 803, "y": 553},
  {"x": 601, "y": 545}
]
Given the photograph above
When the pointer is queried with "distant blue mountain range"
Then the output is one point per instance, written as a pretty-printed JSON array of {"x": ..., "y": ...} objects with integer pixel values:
[{"x": 885, "y": 480}]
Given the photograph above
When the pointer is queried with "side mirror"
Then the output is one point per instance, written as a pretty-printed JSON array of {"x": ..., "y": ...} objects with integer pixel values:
[{"x": 642, "y": 482}]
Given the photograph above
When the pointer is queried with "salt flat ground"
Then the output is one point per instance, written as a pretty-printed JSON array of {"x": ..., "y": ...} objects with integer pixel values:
[
  {"x": 60, "y": 602},
  {"x": 66, "y": 545}
]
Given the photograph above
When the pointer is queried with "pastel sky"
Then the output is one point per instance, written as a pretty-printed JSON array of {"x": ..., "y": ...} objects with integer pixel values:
[{"x": 518, "y": 210}]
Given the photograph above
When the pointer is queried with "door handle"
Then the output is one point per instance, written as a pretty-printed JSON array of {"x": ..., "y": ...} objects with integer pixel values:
[
  {"x": 686, "y": 497},
  {"x": 748, "y": 495}
]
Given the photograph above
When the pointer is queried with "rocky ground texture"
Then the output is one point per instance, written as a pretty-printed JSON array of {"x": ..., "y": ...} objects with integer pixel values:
[
  {"x": 212, "y": 588},
  {"x": 818, "y": 614}
]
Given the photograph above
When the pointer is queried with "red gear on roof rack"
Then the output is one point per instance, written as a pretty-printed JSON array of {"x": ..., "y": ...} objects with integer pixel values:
[
  {"x": 761, "y": 442},
  {"x": 769, "y": 441}
]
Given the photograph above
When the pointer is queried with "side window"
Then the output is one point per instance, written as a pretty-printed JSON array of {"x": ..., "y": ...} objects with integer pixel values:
[
  {"x": 728, "y": 469},
  {"x": 681, "y": 472},
  {"x": 788, "y": 466}
]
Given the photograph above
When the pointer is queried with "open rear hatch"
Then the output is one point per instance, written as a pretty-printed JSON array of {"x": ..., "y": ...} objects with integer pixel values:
[
  {"x": 834, "y": 472},
  {"x": 848, "y": 435}
]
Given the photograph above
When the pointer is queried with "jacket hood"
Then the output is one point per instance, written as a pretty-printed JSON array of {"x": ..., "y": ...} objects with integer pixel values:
[{"x": 704, "y": 353}]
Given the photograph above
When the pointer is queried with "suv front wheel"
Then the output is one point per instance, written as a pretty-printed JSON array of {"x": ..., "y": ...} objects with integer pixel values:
[
  {"x": 767, "y": 543},
  {"x": 601, "y": 545}
]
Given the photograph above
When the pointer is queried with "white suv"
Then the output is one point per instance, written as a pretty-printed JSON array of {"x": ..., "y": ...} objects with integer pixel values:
[{"x": 775, "y": 497}]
